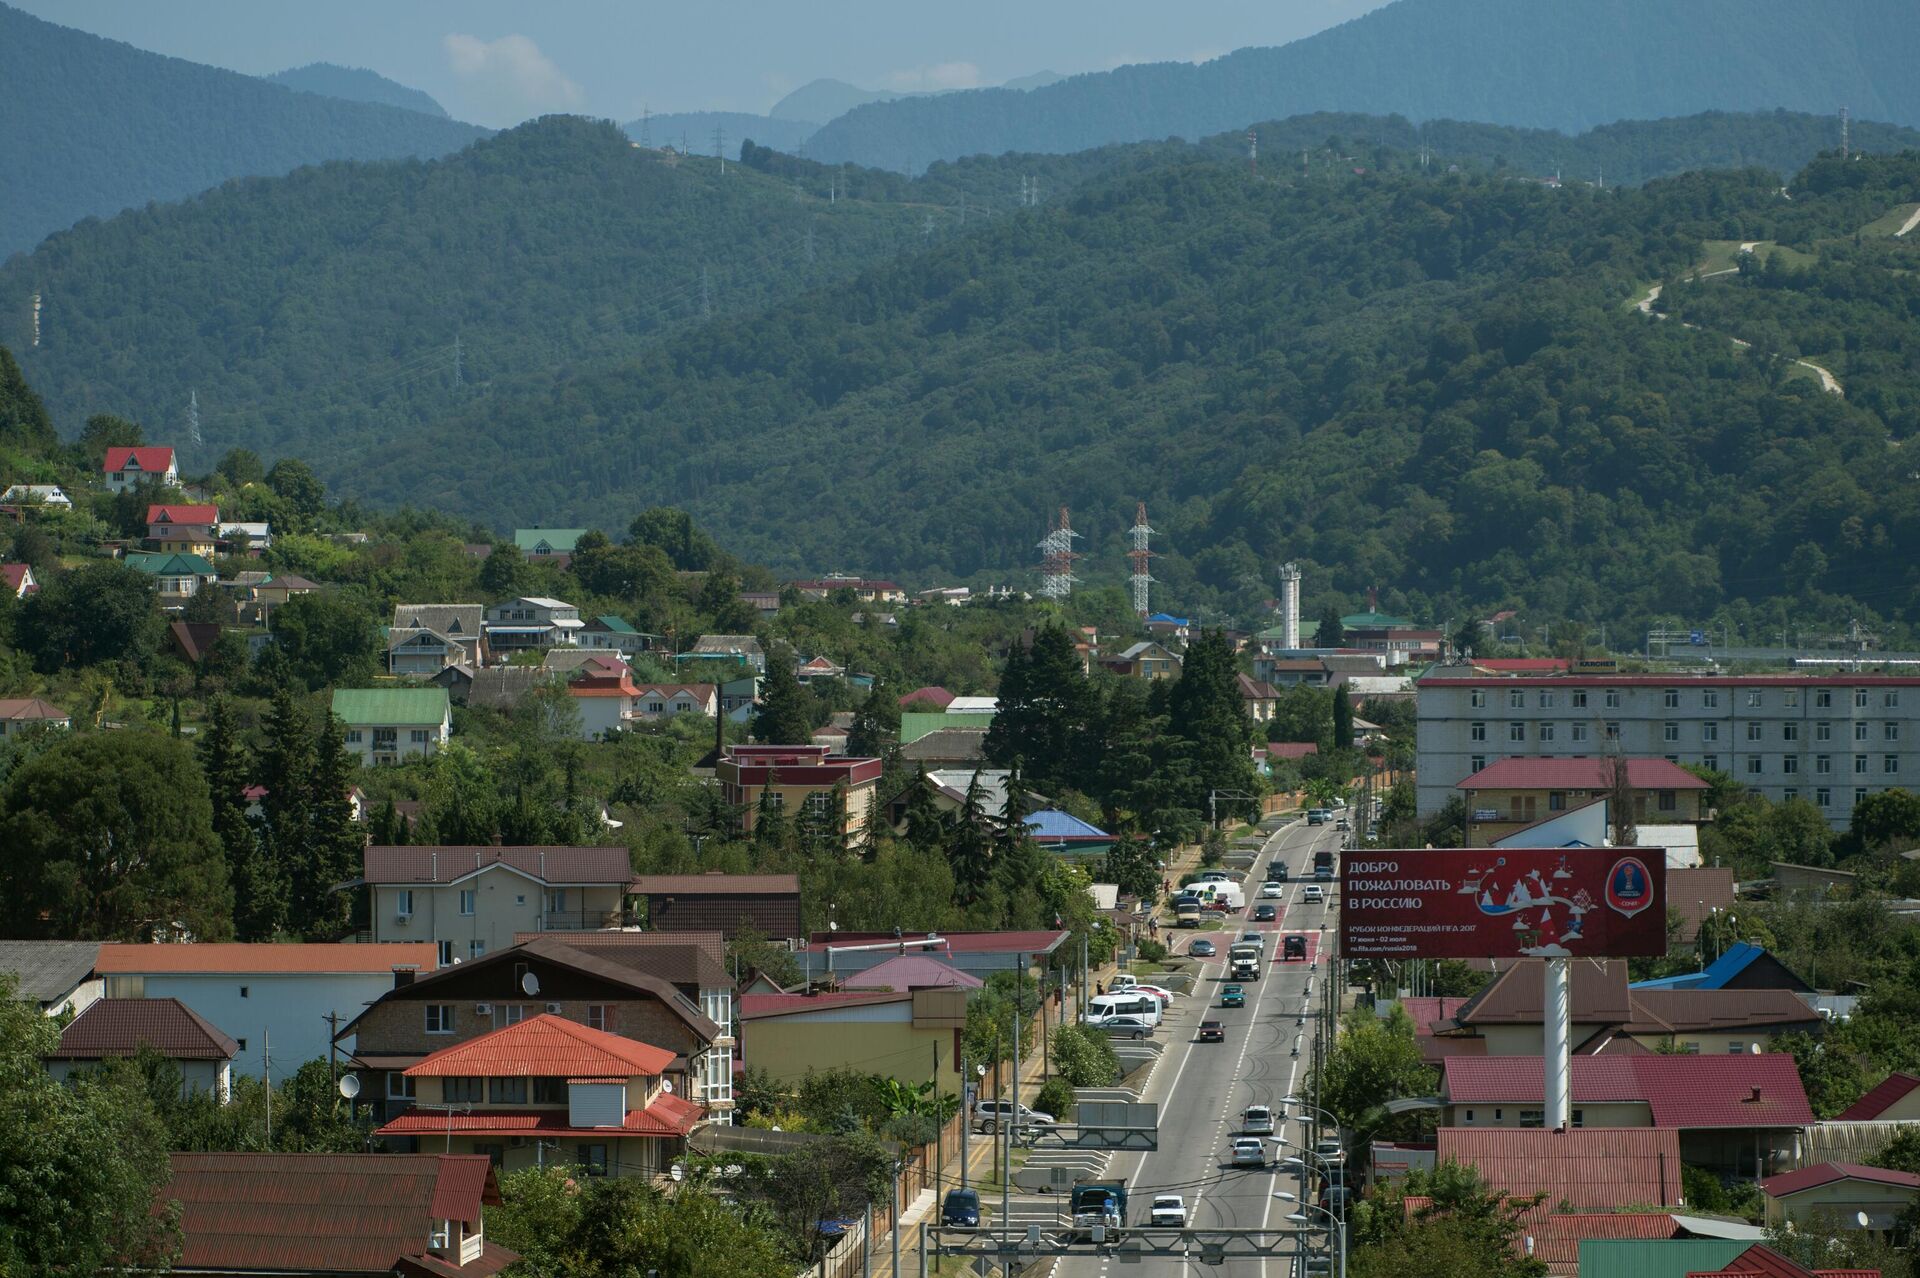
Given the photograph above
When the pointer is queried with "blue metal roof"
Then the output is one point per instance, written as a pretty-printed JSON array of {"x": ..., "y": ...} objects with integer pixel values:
[
  {"x": 1716, "y": 975},
  {"x": 1051, "y": 823}
]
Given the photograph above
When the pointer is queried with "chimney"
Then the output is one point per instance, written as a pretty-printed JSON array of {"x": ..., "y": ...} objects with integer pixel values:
[
  {"x": 1373, "y": 599},
  {"x": 1753, "y": 1095},
  {"x": 402, "y": 977}
]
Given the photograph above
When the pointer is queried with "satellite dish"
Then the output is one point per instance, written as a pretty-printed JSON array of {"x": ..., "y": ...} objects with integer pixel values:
[
  {"x": 1860, "y": 1218},
  {"x": 1754, "y": 1048},
  {"x": 667, "y": 1086},
  {"x": 349, "y": 1085},
  {"x": 529, "y": 984},
  {"x": 678, "y": 1172},
  {"x": 734, "y": 1169}
]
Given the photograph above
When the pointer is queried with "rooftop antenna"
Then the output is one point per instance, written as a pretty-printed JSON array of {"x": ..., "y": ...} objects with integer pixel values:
[{"x": 1140, "y": 580}]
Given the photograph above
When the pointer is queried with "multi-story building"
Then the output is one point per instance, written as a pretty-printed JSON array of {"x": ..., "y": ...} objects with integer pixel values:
[
  {"x": 533, "y": 621},
  {"x": 1828, "y": 739},
  {"x": 427, "y": 638},
  {"x": 126, "y": 468},
  {"x": 388, "y": 725},
  {"x": 470, "y": 901},
  {"x": 800, "y": 780},
  {"x": 183, "y": 530}
]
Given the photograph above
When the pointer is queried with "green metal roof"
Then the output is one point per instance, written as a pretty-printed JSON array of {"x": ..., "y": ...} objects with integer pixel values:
[
  {"x": 1374, "y": 621},
  {"x": 557, "y": 540},
  {"x": 616, "y": 625},
  {"x": 408, "y": 706},
  {"x": 1661, "y": 1258},
  {"x": 915, "y": 724},
  {"x": 164, "y": 564}
]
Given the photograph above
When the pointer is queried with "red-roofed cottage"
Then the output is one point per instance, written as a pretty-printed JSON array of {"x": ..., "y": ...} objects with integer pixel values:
[
  {"x": 1844, "y": 1189},
  {"x": 126, "y": 468},
  {"x": 183, "y": 530},
  {"x": 19, "y": 580},
  {"x": 549, "y": 1089},
  {"x": 118, "y": 1028},
  {"x": 1505, "y": 796},
  {"x": 1895, "y": 1099}
]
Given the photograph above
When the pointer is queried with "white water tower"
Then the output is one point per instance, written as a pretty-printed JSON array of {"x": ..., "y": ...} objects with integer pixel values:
[{"x": 1290, "y": 606}]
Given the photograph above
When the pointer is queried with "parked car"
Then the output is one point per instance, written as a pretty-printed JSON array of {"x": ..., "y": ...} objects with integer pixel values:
[
  {"x": 1293, "y": 947},
  {"x": 961, "y": 1210},
  {"x": 1212, "y": 1032},
  {"x": 1169, "y": 1211},
  {"x": 1202, "y": 948},
  {"x": 1272, "y": 888},
  {"x": 1126, "y": 1026},
  {"x": 1329, "y": 1148},
  {"x": 1248, "y": 1151},
  {"x": 1336, "y": 1200},
  {"x": 1264, "y": 914},
  {"x": 989, "y": 1114},
  {"x": 1313, "y": 894},
  {"x": 1233, "y": 996},
  {"x": 1215, "y": 876},
  {"x": 1160, "y": 992},
  {"x": 1213, "y": 914},
  {"x": 1124, "y": 981}
]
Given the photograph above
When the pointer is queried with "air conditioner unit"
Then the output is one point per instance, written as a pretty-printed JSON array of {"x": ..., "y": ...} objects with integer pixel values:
[
  {"x": 518, "y": 1142},
  {"x": 554, "y": 1008},
  {"x": 403, "y": 914},
  {"x": 483, "y": 1009}
]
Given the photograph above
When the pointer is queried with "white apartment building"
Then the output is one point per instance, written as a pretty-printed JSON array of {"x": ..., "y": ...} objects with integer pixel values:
[{"x": 1829, "y": 739}]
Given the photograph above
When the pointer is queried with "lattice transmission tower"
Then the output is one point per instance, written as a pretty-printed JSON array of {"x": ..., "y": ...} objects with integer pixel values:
[
  {"x": 1056, "y": 559},
  {"x": 1140, "y": 580}
]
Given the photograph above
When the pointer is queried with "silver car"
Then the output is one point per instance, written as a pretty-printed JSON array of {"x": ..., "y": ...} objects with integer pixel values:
[{"x": 1249, "y": 1152}]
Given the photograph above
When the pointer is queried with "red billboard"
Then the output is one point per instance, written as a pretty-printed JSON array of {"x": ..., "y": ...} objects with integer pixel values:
[{"x": 1503, "y": 903}]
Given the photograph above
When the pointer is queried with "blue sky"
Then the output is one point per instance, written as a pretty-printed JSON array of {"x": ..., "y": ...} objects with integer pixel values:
[{"x": 497, "y": 62}]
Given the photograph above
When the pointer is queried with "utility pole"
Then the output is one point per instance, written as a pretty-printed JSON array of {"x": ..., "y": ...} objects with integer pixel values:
[
  {"x": 333, "y": 1048},
  {"x": 266, "y": 1078}
]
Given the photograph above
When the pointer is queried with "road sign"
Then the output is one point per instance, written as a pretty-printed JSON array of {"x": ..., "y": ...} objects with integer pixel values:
[
  {"x": 1698, "y": 638},
  {"x": 1504, "y": 903}
]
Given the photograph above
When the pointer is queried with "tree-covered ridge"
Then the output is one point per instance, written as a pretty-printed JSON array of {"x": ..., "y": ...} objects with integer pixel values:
[
  {"x": 1428, "y": 382},
  {"x": 327, "y": 303},
  {"x": 357, "y": 84},
  {"x": 1566, "y": 66},
  {"x": 94, "y": 126}
]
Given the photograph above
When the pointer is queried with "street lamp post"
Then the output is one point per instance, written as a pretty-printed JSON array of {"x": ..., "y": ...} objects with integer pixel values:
[
  {"x": 1325, "y": 1162},
  {"x": 1335, "y": 1225}
]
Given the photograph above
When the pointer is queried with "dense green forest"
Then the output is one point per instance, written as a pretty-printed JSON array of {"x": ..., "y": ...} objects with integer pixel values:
[
  {"x": 693, "y": 131},
  {"x": 1562, "y": 66},
  {"x": 357, "y": 84},
  {"x": 94, "y": 126}
]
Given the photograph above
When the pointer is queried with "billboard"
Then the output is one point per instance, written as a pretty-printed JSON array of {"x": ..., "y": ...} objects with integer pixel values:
[{"x": 1503, "y": 903}]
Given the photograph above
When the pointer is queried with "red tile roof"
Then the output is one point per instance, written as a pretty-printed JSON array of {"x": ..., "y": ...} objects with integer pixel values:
[
  {"x": 155, "y": 460},
  {"x": 938, "y": 698},
  {"x": 121, "y": 1026},
  {"x": 1798, "y": 1182},
  {"x": 592, "y": 685},
  {"x": 1681, "y": 1091},
  {"x": 668, "y": 691},
  {"x": 1579, "y": 774},
  {"x": 1033, "y": 944},
  {"x": 265, "y": 957},
  {"x": 15, "y": 575},
  {"x": 25, "y": 708},
  {"x": 545, "y": 1046},
  {"x": 1761, "y": 1261},
  {"x": 1518, "y": 995},
  {"x": 183, "y": 514},
  {"x": 1557, "y": 1235},
  {"x": 324, "y": 1213},
  {"x": 1493, "y": 1080},
  {"x": 668, "y": 1115},
  {"x": 450, "y": 864},
  {"x": 758, "y": 1006},
  {"x": 1291, "y": 749},
  {"x": 1878, "y": 1101},
  {"x": 1424, "y": 1011},
  {"x": 1592, "y": 1168}
]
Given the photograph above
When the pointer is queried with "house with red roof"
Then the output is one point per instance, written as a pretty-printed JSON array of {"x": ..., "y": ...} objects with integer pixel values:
[
  {"x": 928, "y": 698},
  {"x": 1845, "y": 1190},
  {"x": 120, "y": 1028},
  {"x": 183, "y": 530},
  {"x": 19, "y": 579},
  {"x": 1512, "y": 793},
  {"x": 17, "y": 714},
  {"x": 126, "y": 468},
  {"x": 1740, "y": 1114},
  {"x": 656, "y": 701},
  {"x": 1587, "y": 1168},
  {"x": 1895, "y": 1099},
  {"x": 549, "y": 1089},
  {"x": 343, "y": 1215}
]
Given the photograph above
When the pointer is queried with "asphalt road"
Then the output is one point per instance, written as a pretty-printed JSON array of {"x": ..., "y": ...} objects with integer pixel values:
[{"x": 1202, "y": 1088}]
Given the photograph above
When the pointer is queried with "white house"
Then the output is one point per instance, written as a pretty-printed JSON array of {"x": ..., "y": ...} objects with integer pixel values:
[
  {"x": 118, "y": 1028},
  {"x": 258, "y": 534},
  {"x": 48, "y": 496},
  {"x": 533, "y": 622},
  {"x": 606, "y": 702},
  {"x": 665, "y": 700},
  {"x": 425, "y": 639},
  {"x": 126, "y": 468},
  {"x": 469, "y": 901},
  {"x": 273, "y": 1000},
  {"x": 388, "y": 725}
]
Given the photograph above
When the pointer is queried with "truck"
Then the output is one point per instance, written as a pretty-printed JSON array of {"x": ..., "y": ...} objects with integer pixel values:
[
  {"x": 1101, "y": 1203},
  {"x": 1323, "y": 864},
  {"x": 1186, "y": 913},
  {"x": 1243, "y": 960}
]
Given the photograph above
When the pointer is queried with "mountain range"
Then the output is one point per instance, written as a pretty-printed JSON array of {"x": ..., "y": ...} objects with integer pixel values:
[
  {"x": 94, "y": 126},
  {"x": 1535, "y": 63},
  {"x": 357, "y": 84}
]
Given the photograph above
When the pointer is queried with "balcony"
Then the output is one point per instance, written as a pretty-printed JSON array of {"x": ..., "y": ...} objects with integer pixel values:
[{"x": 588, "y": 920}]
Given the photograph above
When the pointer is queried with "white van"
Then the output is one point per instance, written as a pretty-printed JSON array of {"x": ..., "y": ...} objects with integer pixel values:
[{"x": 1123, "y": 1004}]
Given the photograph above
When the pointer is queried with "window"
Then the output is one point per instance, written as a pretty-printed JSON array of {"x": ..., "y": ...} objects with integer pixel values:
[
  {"x": 592, "y": 1159},
  {"x": 557, "y": 901},
  {"x": 467, "y": 897},
  {"x": 1790, "y": 763},
  {"x": 476, "y": 947},
  {"x": 1791, "y": 698},
  {"x": 244, "y": 992},
  {"x": 600, "y": 1016},
  {"x": 1823, "y": 699},
  {"x": 1822, "y": 764},
  {"x": 1478, "y": 732},
  {"x": 1469, "y": 1116},
  {"x": 1669, "y": 801},
  {"x": 1613, "y": 729},
  {"x": 1711, "y": 762},
  {"x": 1579, "y": 1118},
  {"x": 1859, "y": 764},
  {"x": 1613, "y": 698},
  {"x": 549, "y": 1091},
  {"x": 1477, "y": 698},
  {"x": 419, "y": 736},
  {"x": 1710, "y": 699},
  {"x": 1709, "y": 732},
  {"x": 656, "y": 707},
  {"x": 1823, "y": 797},
  {"x": 1580, "y": 698},
  {"x": 1669, "y": 732},
  {"x": 1753, "y": 732},
  {"x": 241, "y": 1043},
  {"x": 1789, "y": 794},
  {"x": 399, "y": 1086},
  {"x": 1753, "y": 764},
  {"x": 1860, "y": 795},
  {"x": 1891, "y": 701},
  {"x": 463, "y": 1091},
  {"x": 1892, "y": 732},
  {"x": 353, "y": 736},
  {"x": 1892, "y": 765},
  {"x": 446, "y": 954},
  {"x": 1690, "y": 1049},
  {"x": 1546, "y": 700},
  {"x": 1557, "y": 801},
  {"x": 1546, "y": 732},
  {"x": 439, "y": 1018},
  {"x": 496, "y": 1153},
  {"x": 1754, "y": 699},
  {"x": 1859, "y": 698},
  {"x": 1860, "y": 731},
  {"x": 513, "y": 1013},
  {"x": 1479, "y": 762},
  {"x": 1579, "y": 731},
  {"x": 1673, "y": 698},
  {"x": 1789, "y": 732},
  {"x": 403, "y": 903},
  {"x": 1517, "y": 699},
  {"x": 506, "y": 1091},
  {"x": 1516, "y": 732},
  {"x": 1533, "y": 1118}
]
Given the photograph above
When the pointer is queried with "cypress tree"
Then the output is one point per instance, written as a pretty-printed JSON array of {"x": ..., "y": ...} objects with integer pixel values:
[
  {"x": 334, "y": 841},
  {"x": 224, "y": 763},
  {"x": 285, "y": 817},
  {"x": 1342, "y": 719},
  {"x": 783, "y": 716}
]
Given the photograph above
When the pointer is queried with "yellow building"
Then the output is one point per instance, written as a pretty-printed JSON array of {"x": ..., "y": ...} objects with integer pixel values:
[
  {"x": 912, "y": 1035},
  {"x": 1843, "y": 1191},
  {"x": 802, "y": 781},
  {"x": 1511, "y": 794}
]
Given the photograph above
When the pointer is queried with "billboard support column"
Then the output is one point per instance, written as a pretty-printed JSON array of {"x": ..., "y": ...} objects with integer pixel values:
[{"x": 1557, "y": 1059}]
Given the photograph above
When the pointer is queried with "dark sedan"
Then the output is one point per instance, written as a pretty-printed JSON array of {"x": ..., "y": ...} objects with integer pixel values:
[
  {"x": 1264, "y": 914},
  {"x": 1212, "y": 1032}
]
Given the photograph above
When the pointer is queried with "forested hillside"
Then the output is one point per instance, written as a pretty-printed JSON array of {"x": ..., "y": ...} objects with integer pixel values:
[
  {"x": 1432, "y": 383},
  {"x": 1521, "y": 62},
  {"x": 331, "y": 300},
  {"x": 93, "y": 126},
  {"x": 694, "y": 131},
  {"x": 357, "y": 84}
]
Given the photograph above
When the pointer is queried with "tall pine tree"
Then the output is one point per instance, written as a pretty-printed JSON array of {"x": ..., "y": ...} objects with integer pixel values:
[
  {"x": 334, "y": 840},
  {"x": 783, "y": 716},
  {"x": 1208, "y": 720},
  {"x": 286, "y": 763},
  {"x": 969, "y": 849},
  {"x": 1342, "y": 719},
  {"x": 226, "y": 765}
]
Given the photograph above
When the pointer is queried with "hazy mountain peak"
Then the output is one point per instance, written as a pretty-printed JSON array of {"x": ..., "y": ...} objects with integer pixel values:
[{"x": 357, "y": 84}]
